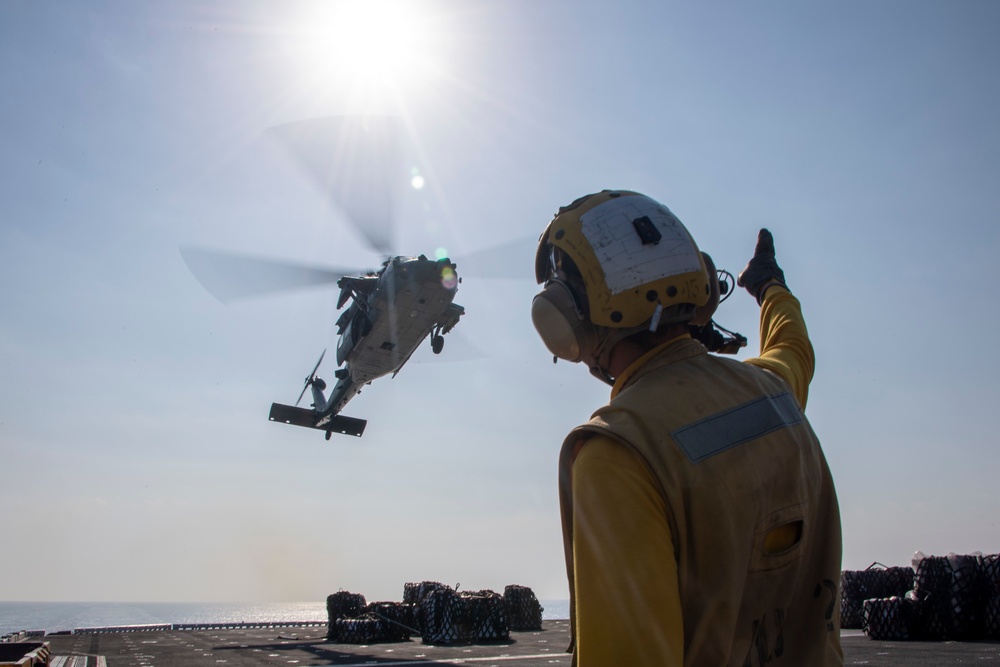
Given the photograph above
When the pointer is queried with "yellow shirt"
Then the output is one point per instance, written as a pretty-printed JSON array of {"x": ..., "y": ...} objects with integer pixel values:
[{"x": 623, "y": 556}]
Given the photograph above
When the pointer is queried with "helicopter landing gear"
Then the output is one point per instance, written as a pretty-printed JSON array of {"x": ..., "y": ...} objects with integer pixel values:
[
  {"x": 328, "y": 434},
  {"x": 437, "y": 343}
]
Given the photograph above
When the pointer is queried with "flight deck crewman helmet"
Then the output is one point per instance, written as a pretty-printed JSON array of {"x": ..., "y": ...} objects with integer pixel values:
[{"x": 613, "y": 264}]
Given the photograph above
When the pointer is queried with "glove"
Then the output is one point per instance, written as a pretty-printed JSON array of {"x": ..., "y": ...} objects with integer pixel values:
[{"x": 762, "y": 271}]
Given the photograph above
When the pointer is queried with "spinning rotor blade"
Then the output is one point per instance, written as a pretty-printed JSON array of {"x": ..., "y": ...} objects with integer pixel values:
[
  {"x": 356, "y": 161},
  {"x": 228, "y": 277}
]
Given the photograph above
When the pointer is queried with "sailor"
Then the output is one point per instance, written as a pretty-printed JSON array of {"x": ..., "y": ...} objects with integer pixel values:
[{"x": 700, "y": 520}]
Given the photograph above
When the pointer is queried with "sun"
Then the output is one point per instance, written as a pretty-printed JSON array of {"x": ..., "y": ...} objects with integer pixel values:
[
  {"x": 369, "y": 47},
  {"x": 375, "y": 39}
]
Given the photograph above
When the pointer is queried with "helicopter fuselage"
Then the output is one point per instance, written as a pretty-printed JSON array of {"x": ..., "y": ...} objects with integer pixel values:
[
  {"x": 411, "y": 298},
  {"x": 392, "y": 312}
]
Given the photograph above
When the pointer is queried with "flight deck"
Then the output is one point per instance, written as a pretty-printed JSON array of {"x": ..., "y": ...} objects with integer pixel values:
[{"x": 245, "y": 645}]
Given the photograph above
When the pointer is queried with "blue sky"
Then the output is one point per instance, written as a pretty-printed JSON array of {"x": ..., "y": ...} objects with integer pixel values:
[{"x": 137, "y": 457}]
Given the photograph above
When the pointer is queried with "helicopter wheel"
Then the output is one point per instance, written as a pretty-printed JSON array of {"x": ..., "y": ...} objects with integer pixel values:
[
  {"x": 328, "y": 434},
  {"x": 437, "y": 343}
]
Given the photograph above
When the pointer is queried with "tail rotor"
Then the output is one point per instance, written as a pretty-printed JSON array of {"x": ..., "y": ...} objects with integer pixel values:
[{"x": 312, "y": 379}]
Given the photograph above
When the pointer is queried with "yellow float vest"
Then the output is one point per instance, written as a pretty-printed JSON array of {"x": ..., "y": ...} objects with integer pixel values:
[{"x": 734, "y": 457}]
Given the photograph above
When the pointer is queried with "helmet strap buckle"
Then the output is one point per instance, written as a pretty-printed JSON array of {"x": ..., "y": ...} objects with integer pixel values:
[{"x": 654, "y": 322}]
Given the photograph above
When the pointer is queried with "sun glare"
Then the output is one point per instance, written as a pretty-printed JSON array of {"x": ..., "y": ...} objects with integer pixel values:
[{"x": 374, "y": 47}]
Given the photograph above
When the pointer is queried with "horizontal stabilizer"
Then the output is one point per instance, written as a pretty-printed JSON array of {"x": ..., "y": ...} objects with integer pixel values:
[{"x": 290, "y": 414}]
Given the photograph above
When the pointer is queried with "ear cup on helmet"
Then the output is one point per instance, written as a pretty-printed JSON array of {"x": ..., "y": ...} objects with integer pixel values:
[
  {"x": 703, "y": 314},
  {"x": 564, "y": 329}
]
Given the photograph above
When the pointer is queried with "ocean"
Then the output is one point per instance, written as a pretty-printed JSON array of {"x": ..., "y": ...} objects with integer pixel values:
[{"x": 60, "y": 616}]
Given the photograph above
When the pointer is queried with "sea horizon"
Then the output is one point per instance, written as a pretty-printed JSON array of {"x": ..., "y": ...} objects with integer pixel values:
[{"x": 18, "y": 616}]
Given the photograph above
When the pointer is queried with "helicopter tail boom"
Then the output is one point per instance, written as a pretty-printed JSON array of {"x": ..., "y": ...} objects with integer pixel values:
[{"x": 289, "y": 414}]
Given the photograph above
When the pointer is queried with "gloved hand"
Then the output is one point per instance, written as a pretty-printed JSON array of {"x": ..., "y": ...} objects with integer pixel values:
[{"x": 762, "y": 271}]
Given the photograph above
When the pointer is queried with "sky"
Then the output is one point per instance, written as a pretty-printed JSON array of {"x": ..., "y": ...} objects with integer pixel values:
[{"x": 137, "y": 460}]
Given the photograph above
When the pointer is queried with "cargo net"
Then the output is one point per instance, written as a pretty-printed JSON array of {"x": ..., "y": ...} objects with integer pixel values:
[
  {"x": 438, "y": 613},
  {"x": 524, "y": 612},
  {"x": 991, "y": 579},
  {"x": 361, "y": 630},
  {"x": 952, "y": 594},
  {"x": 396, "y": 620},
  {"x": 414, "y": 593},
  {"x": 377, "y": 622},
  {"x": 487, "y": 616},
  {"x": 440, "y": 617},
  {"x": 877, "y": 581},
  {"x": 342, "y": 605},
  {"x": 893, "y": 618},
  {"x": 953, "y": 597},
  {"x": 446, "y": 616}
]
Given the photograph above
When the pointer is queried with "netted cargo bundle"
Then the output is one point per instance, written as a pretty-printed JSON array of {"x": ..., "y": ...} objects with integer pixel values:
[
  {"x": 395, "y": 620},
  {"x": 897, "y": 581},
  {"x": 890, "y": 618},
  {"x": 414, "y": 593},
  {"x": 342, "y": 604},
  {"x": 361, "y": 630},
  {"x": 877, "y": 581},
  {"x": 990, "y": 567},
  {"x": 855, "y": 588},
  {"x": 442, "y": 617},
  {"x": 968, "y": 595},
  {"x": 951, "y": 594},
  {"x": 524, "y": 612},
  {"x": 485, "y": 616},
  {"x": 931, "y": 585}
]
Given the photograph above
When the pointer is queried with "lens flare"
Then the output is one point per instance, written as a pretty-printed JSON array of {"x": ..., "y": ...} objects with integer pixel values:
[
  {"x": 449, "y": 279},
  {"x": 440, "y": 253}
]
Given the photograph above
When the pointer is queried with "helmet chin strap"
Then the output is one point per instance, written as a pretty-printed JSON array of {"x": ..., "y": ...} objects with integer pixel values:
[
  {"x": 599, "y": 361},
  {"x": 602, "y": 375}
]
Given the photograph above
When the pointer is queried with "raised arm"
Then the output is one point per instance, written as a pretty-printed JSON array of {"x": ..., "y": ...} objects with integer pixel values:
[{"x": 784, "y": 341}]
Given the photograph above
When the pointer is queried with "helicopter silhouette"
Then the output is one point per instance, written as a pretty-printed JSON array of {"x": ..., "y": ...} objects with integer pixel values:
[{"x": 391, "y": 310}]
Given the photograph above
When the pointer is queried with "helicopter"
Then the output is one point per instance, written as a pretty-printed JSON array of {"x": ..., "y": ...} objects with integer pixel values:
[{"x": 391, "y": 310}]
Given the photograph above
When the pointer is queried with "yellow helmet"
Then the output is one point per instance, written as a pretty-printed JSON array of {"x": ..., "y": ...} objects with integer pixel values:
[{"x": 635, "y": 258}]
